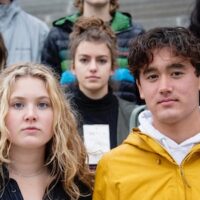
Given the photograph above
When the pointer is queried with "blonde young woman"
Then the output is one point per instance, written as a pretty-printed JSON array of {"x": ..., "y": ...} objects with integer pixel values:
[{"x": 41, "y": 154}]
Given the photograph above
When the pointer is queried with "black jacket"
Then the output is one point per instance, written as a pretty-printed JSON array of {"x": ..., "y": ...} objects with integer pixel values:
[{"x": 11, "y": 190}]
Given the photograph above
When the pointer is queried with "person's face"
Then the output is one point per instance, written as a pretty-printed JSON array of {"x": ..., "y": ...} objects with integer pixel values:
[
  {"x": 97, "y": 2},
  {"x": 30, "y": 116},
  {"x": 170, "y": 87},
  {"x": 92, "y": 67},
  {"x": 5, "y": 1}
]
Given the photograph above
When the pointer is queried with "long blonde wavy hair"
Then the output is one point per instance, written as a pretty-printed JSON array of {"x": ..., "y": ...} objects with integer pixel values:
[
  {"x": 114, "y": 5},
  {"x": 66, "y": 155}
]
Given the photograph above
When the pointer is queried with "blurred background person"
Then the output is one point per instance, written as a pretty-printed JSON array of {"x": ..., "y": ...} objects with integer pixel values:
[
  {"x": 23, "y": 33},
  {"x": 104, "y": 117},
  {"x": 56, "y": 49}
]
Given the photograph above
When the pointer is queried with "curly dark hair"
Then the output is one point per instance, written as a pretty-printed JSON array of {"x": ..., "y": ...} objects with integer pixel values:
[{"x": 178, "y": 39}]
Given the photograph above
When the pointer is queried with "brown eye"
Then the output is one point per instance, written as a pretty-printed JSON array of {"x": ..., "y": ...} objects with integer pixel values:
[
  {"x": 177, "y": 74},
  {"x": 84, "y": 60},
  {"x": 152, "y": 77},
  {"x": 102, "y": 61}
]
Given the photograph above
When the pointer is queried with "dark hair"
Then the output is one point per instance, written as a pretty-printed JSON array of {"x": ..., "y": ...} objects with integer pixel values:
[
  {"x": 179, "y": 40},
  {"x": 194, "y": 26},
  {"x": 3, "y": 53}
]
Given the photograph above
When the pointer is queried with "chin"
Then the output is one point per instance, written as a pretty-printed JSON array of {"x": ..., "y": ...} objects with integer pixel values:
[
  {"x": 168, "y": 119},
  {"x": 94, "y": 88}
]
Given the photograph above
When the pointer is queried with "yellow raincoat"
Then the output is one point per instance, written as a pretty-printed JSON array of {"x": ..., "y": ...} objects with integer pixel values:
[{"x": 141, "y": 169}]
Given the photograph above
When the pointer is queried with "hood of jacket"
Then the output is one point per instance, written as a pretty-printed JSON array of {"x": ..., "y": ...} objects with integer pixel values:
[
  {"x": 142, "y": 141},
  {"x": 7, "y": 13},
  {"x": 120, "y": 21}
]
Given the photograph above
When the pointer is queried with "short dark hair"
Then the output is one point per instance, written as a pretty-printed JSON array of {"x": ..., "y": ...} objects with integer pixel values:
[{"x": 178, "y": 39}]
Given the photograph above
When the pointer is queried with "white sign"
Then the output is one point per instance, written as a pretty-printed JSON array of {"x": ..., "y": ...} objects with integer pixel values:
[{"x": 97, "y": 141}]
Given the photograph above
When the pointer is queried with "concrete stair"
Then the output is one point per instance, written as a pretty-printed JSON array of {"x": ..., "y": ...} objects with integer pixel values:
[{"x": 149, "y": 13}]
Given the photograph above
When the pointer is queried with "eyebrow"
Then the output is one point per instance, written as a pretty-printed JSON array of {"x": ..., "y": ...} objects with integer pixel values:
[
  {"x": 87, "y": 55},
  {"x": 169, "y": 67},
  {"x": 176, "y": 65},
  {"x": 23, "y": 98}
]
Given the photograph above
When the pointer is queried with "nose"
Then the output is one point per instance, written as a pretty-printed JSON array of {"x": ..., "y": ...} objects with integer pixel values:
[
  {"x": 30, "y": 114},
  {"x": 93, "y": 66},
  {"x": 165, "y": 85}
]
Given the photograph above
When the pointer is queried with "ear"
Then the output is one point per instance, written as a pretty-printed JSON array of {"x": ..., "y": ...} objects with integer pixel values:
[{"x": 140, "y": 89}]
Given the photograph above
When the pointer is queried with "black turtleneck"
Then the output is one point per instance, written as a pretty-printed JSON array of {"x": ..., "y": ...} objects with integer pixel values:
[{"x": 100, "y": 111}]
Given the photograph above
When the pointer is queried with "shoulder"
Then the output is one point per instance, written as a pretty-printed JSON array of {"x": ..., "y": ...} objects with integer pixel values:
[
  {"x": 122, "y": 21},
  {"x": 67, "y": 21},
  {"x": 123, "y": 150},
  {"x": 112, "y": 159},
  {"x": 33, "y": 21},
  {"x": 62, "y": 27},
  {"x": 59, "y": 34},
  {"x": 126, "y": 105}
]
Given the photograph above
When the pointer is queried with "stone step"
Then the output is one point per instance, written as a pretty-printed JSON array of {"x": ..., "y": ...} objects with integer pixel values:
[{"x": 148, "y": 12}]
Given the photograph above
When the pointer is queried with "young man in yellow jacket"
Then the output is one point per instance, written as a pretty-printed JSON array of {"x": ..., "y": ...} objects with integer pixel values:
[{"x": 161, "y": 158}]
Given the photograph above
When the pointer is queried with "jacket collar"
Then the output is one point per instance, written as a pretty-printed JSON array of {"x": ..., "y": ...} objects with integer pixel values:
[{"x": 120, "y": 21}]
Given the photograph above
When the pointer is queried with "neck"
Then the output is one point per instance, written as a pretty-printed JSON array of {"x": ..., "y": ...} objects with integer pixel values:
[
  {"x": 182, "y": 130},
  {"x": 101, "y": 12},
  {"x": 27, "y": 163},
  {"x": 28, "y": 173},
  {"x": 94, "y": 94}
]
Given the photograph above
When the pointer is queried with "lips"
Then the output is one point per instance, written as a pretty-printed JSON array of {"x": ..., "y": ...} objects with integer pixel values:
[
  {"x": 31, "y": 128},
  {"x": 92, "y": 77},
  {"x": 167, "y": 100}
]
